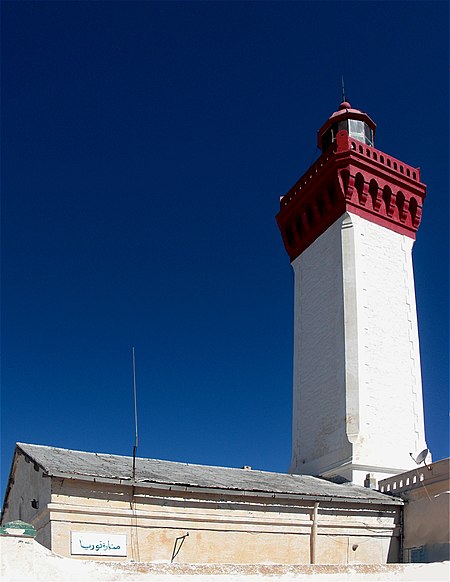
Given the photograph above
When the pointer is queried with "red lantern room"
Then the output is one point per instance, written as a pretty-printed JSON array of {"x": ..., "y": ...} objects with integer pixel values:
[{"x": 357, "y": 124}]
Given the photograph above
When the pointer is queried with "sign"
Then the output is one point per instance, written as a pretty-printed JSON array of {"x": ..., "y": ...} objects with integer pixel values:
[{"x": 98, "y": 544}]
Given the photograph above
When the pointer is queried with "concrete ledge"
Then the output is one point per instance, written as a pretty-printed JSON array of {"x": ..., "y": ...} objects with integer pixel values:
[{"x": 24, "y": 560}]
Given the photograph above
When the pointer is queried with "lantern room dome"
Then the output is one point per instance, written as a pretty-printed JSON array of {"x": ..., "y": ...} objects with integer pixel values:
[{"x": 356, "y": 123}]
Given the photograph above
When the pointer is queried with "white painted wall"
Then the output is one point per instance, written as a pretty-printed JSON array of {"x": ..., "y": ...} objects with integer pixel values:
[
  {"x": 357, "y": 379},
  {"x": 319, "y": 434}
]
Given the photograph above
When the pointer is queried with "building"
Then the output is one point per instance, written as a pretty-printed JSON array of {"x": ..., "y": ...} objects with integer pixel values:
[
  {"x": 86, "y": 505},
  {"x": 426, "y": 529},
  {"x": 348, "y": 225}
]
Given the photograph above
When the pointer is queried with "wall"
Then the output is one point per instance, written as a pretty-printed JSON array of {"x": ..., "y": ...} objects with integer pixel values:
[
  {"x": 357, "y": 382},
  {"x": 222, "y": 528},
  {"x": 24, "y": 560},
  {"x": 319, "y": 436},
  {"x": 391, "y": 409},
  {"x": 29, "y": 484},
  {"x": 426, "y": 513}
]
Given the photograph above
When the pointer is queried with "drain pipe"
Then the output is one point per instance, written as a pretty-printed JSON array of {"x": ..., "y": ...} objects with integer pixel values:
[
  {"x": 401, "y": 535},
  {"x": 313, "y": 539}
]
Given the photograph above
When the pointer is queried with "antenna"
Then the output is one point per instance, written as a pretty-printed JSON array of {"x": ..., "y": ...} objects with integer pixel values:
[
  {"x": 421, "y": 458},
  {"x": 135, "y": 416},
  {"x": 135, "y": 544},
  {"x": 343, "y": 89}
]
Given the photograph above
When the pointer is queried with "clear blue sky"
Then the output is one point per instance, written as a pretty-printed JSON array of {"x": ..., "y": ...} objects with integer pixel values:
[{"x": 144, "y": 149}]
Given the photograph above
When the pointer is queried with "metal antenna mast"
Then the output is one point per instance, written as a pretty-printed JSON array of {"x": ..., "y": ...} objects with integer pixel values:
[
  {"x": 135, "y": 416},
  {"x": 343, "y": 90}
]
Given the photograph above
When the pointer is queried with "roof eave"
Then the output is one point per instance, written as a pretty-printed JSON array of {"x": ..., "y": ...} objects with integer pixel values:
[{"x": 182, "y": 488}]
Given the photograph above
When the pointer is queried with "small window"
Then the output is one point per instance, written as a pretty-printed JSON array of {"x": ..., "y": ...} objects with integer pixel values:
[
  {"x": 417, "y": 555},
  {"x": 356, "y": 126},
  {"x": 326, "y": 140},
  {"x": 369, "y": 135},
  {"x": 356, "y": 130},
  {"x": 329, "y": 136}
]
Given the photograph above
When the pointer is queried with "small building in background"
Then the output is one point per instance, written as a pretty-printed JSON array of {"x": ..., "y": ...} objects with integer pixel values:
[{"x": 426, "y": 522}]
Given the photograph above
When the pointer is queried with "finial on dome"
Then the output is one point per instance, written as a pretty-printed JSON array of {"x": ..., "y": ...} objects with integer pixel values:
[{"x": 345, "y": 104}]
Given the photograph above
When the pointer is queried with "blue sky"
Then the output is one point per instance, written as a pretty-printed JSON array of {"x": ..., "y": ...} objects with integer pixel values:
[{"x": 144, "y": 149}]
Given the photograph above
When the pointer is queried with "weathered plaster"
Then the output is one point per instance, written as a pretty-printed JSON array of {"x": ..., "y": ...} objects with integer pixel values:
[
  {"x": 234, "y": 529},
  {"x": 28, "y": 482},
  {"x": 426, "y": 530}
]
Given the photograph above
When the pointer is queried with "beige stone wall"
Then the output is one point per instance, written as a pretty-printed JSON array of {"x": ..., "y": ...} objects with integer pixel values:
[
  {"x": 29, "y": 484},
  {"x": 427, "y": 511},
  {"x": 222, "y": 529}
]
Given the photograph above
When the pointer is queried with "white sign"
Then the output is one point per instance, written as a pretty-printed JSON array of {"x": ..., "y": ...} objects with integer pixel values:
[{"x": 98, "y": 544}]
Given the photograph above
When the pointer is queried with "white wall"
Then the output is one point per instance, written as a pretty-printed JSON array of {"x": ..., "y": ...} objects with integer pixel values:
[
  {"x": 357, "y": 380},
  {"x": 391, "y": 409},
  {"x": 319, "y": 426}
]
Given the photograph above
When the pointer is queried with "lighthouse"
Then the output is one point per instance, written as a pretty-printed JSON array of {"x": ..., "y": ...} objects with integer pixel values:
[{"x": 349, "y": 225}]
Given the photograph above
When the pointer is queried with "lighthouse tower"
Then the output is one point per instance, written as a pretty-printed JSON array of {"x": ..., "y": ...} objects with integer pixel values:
[{"x": 349, "y": 225}]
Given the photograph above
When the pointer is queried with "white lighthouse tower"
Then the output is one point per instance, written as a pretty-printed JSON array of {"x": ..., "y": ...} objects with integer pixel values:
[{"x": 349, "y": 225}]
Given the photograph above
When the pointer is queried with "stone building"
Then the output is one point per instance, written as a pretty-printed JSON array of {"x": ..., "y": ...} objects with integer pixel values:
[
  {"x": 426, "y": 513},
  {"x": 86, "y": 505}
]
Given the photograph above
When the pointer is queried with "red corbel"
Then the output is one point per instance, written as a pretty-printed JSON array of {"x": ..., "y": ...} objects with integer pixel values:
[
  {"x": 404, "y": 211},
  {"x": 391, "y": 208},
  {"x": 418, "y": 217},
  {"x": 362, "y": 196},
  {"x": 377, "y": 200},
  {"x": 346, "y": 187}
]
